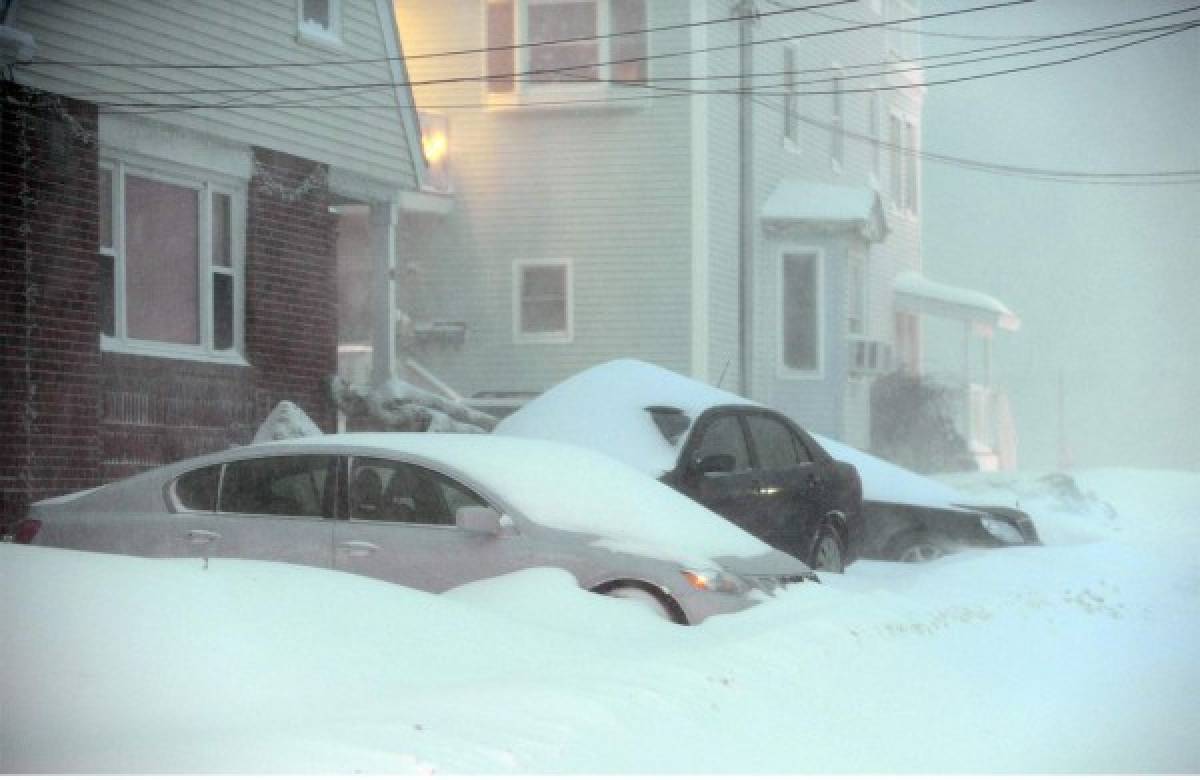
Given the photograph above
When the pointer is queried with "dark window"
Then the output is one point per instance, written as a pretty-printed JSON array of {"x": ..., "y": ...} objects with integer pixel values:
[
  {"x": 197, "y": 490},
  {"x": 501, "y": 58},
  {"x": 801, "y": 332},
  {"x": 300, "y": 485},
  {"x": 543, "y": 299},
  {"x": 724, "y": 436},
  {"x": 389, "y": 491},
  {"x": 774, "y": 443},
  {"x": 628, "y": 53}
]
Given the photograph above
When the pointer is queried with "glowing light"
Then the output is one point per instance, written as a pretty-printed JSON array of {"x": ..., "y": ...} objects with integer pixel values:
[{"x": 436, "y": 146}]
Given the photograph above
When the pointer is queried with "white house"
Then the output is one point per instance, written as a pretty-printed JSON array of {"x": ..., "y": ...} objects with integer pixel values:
[{"x": 723, "y": 188}]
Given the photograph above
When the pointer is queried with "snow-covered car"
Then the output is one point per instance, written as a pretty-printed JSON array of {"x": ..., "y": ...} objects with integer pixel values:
[
  {"x": 827, "y": 506},
  {"x": 740, "y": 459},
  {"x": 429, "y": 511}
]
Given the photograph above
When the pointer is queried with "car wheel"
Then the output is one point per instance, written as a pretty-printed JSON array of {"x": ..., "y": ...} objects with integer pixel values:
[
  {"x": 644, "y": 597},
  {"x": 829, "y": 554},
  {"x": 915, "y": 548}
]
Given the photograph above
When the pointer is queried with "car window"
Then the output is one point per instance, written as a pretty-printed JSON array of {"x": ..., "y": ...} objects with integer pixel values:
[
  {"x": 723, "y": 436},
  {"x": 391, "y": 491},
  {"x": 298, "y": 485},
  {"x": 774, "y": 443},
  {"x": 197, "y": 490}
]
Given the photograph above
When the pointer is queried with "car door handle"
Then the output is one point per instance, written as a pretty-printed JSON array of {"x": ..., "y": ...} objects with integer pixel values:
[
  {"x": 357, "y": 549},
  {"x": 199, "y": 536}
]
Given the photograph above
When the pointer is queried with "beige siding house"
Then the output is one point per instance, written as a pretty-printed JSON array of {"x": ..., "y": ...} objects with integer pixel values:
[{"x": 599, "y": 209}]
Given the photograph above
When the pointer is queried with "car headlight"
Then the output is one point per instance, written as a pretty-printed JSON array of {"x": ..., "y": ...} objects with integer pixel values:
[
  {"x": 714, "y": 580},
  {"x": 1004, "y": 532}
]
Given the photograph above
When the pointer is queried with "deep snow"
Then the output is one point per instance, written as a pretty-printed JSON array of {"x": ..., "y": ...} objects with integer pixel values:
[{"x": 1078, "y": 656}]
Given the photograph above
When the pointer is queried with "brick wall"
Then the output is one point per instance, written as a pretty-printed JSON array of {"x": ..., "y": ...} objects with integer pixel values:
[
  {"x": 49, "y": 350},
  {"x": 291, "y": 283}
]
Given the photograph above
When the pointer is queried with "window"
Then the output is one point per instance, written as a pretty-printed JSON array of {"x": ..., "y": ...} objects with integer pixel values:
[
  {"x": 393, "y": 492},
  {"x": 170, "y": 263},
  {"x": 319, "y": 21},
  {"x": 197, "y": 490},
  {"x": 874, "y": 134},
  {"x": 724, "y": 436},
  {"x": 837, "y": 122},
  {"x": 801, "y": 320},
  {"x": 856, "y": 291},
  {"x": 774, "y": 444},
  {"x": 296, "y": 485},
  {"x": 910, "y": 167},
  {"x": 570, "y": 42},
  {"x": 896, "y": 160},
  {"x": 908, "y": 342},
  {"x": 543, "y": 311},
  {"x": 791, "y": 101}
]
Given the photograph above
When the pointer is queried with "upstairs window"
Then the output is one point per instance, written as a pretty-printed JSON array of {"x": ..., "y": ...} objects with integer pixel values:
[
  {"x": 791, "y": 101},
  {"x": 319, "y": 21},
  {"x": 534, "y": 43},
  {"x": 170, "y": 256},
  {"x": 837, "y": 123},
  {"x": 911, "y": 179},
  {"x": 896, "y": 160}
]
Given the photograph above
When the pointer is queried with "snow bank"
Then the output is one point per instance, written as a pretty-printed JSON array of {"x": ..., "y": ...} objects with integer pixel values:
[{"x": 1074, "y": 657}]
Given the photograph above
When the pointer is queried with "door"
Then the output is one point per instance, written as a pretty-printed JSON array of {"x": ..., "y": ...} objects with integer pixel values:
[
  {"x": 789, "y": 483},
  {"x": 401, "y": 528},
  {"x": 718, "y": 472},
  {"x": 269, "y": 509}
]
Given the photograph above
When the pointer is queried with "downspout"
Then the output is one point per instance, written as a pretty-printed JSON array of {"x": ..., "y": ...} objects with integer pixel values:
[{"x": 746, "y": 10}]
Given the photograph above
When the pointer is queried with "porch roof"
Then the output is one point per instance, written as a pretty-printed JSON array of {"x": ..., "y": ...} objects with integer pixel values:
[
  {"x": 917, "y": 293},
  {"x": 832, "y": 207}
]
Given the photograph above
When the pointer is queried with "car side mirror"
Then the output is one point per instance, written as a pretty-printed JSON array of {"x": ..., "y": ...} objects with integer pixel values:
[
  {"x": 479, "y": 519},
  {"x": 713, "y": 464}
]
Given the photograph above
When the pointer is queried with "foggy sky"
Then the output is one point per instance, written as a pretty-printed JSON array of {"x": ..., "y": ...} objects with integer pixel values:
[{"x": 1106, "y": 279}]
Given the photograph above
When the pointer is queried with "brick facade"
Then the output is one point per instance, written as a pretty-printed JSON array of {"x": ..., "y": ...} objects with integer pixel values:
[
  {"x": 49, "y": 350},
  {"x": 71, "y": 416}
]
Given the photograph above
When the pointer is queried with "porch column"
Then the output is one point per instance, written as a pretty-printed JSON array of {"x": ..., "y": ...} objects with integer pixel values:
[{"x": 383, "y": 290}]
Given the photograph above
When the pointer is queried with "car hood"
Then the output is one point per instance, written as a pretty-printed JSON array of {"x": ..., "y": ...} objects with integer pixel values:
[{"x": 769, "y": 564}]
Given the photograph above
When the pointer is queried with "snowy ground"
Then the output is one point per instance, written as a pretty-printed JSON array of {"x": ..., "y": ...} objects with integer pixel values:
[{"x": 1079, "y": 656}]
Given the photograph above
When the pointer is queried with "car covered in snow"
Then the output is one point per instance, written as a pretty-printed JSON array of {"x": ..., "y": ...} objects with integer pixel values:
[
  {"x": 814, "y": 497},
  {"x": 432, "y": 512},
  {"x": 744, "y": 461}
]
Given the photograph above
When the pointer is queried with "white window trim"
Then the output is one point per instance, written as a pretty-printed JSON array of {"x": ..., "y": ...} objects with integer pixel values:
[
  {"x": 315, "y": 35},
  {"x": 551, "y": 337},
  {"x": 895, "y": 192},
  {"x": 862, "y": 292},
  {"x": 837, "y": 119},
  {"x": 782, "y": 369},
  {"x": 570, "y": 97},
  {"x": 791, "y": 132},
  {"x": 875, "y": 104},
  {"x": 207, "y": 186}
]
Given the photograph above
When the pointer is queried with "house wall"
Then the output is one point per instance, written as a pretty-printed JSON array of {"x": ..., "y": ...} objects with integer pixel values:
[
  {"x": 604, "y": 185},
  {"x": 50, "y": 354},
  {"x": 366, "y": 138}
]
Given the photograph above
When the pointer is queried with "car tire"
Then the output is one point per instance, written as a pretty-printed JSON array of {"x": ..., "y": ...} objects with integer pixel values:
[
  {"x": 653, "y": 602},
  {"x": 915, "y": 547},
  {"x": 828, "y": 550}
]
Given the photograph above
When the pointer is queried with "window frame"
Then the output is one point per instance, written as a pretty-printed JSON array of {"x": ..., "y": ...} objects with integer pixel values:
[
  {"x": 858, "y": 293},
  {"x": 521, "y": 336},
  {"x": 522, "y": 91},
  {"x": 791, "y": 100},
  {"x": 783, "y": 369},
  {"x": 207, "y": 185},
  {"x": 311, "y": 34},
  {"x": 837, "y": 118}
]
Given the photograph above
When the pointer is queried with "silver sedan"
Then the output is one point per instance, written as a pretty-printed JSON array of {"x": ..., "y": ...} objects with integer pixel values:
[{"x": 430, "y": 511}]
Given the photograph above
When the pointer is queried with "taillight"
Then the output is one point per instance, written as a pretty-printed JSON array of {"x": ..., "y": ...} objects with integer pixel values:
[{"x": 26, "y": 530}]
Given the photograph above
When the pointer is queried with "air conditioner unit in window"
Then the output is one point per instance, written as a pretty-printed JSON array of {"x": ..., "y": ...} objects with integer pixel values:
[{"x": 868, "y": 356}]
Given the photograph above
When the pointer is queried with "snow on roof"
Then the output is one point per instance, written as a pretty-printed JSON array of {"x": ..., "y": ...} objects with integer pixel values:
[
  {"x": 570, "y": 488},
  {"x": 937, "y": 298},
  {"x": 800, "y": 200},
  {"x": 604, "y": 408}
]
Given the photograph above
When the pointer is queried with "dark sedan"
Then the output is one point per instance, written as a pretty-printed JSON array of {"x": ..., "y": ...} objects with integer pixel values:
[{"x": 744, "y": 461}]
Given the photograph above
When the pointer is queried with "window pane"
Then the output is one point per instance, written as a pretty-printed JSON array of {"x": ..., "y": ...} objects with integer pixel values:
[
  {"x": 800, "y": 331},
  {"x": 501, "y": 61},
  {"x": 791, "y": 119},
  {"x": 568, "y": 61},
  {"x": 773, "y": 442},
  {"x": 107, "y": 303},
  {"x": 222, "y": 236},
  {"x": 724, "y": 437},
  {"x": 222, "y": 311},
  {"x": 160, "y": 261},
  {"x": 316, "y": 13},
  {"x": 198, "y": 489},
  {"x": 543, "y": 299},
  {"x": 389, "y": 491},
  {"x": 104, "y": 203},
  {"x": 895, "y": 142},
  {"x": 629, "y": 16},
  {"x": 296, "y": 485}
]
